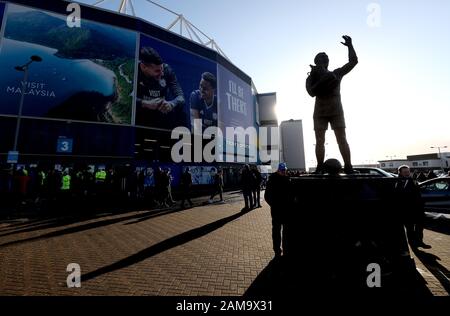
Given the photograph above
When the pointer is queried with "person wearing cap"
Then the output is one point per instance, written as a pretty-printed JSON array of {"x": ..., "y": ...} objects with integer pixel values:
[
  {"x": 278, "y": 196},
  {"x": 156, "y": 82}
]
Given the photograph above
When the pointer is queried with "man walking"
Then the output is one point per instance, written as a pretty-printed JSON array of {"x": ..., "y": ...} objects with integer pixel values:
[
  {"x": 278, "y": 195},
  {"x": 186, "y": 184},
  {"x": 246, "y": 182},
  {"x": 218, "y": 186},
  {"x": 256, "y": 190}
]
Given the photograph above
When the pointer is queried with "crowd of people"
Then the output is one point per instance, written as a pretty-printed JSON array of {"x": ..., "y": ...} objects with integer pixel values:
[
  {"x": 47, "y": 188},
  {"x": 66, "y": 187},
  {"x": 72, "y": 186},
  {"x": 251, "y": 180}
]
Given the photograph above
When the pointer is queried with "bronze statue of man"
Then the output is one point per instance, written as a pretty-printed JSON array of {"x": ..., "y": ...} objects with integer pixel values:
[{"x": 325, "y": 85}]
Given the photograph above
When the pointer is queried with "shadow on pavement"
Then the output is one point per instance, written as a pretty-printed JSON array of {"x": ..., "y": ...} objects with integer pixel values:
[
  {"x": 63, "y": 216},
  {"x": 156, "y": 214},
  {"x": 163, "y": 246},
  {"x": 80, "y": 228},
  {"x": 54, "y": 222},
  {"x": 438, "y": 270},
  {"x": 286, "y": 278},
  {"x": 438, "y": 225}
]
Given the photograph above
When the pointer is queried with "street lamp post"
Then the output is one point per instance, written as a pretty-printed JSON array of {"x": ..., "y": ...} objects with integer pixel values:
[
  {"x": 23, "y": 68},
  {"x": 439, "y": 151}
]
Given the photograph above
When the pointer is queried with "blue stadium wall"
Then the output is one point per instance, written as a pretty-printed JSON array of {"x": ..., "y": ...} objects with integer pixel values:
[{"x": 80, "y": 101}]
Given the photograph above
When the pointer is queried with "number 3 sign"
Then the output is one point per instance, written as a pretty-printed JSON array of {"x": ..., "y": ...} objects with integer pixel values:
[{"x": 64, "y": 145}]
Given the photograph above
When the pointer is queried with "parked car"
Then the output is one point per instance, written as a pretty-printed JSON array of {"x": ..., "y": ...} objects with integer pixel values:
[
  {"x": 371, "y": 171},
  {"x": 436, "y": 194}
]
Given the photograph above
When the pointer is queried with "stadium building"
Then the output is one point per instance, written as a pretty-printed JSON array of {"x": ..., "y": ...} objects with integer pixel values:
[{"x": 92, "y": 95}]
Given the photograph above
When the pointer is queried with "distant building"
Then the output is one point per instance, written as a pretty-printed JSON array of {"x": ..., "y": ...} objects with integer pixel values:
[
  {"x": 392, "y": 165},
  {"x": 267, "y": 103},
  {"x": 292, "y": 144},
  {"x": 430, "y": 161},
  {"x": 420, "y": 162}
]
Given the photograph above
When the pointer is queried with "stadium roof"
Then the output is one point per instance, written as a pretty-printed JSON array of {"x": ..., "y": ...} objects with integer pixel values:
[{"x": 180, "y": 24}]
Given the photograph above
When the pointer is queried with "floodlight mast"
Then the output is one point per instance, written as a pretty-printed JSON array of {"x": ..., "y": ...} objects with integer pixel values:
[{"x": 185, "y": 27}]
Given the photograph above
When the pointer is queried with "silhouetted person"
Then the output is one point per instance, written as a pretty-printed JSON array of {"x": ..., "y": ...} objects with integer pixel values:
[
  {"x": 165, "y": 188},
  {"x": 53, "y": 184},
  {"x": 186, "y": 184},
  {"x": 22, "y": 181},
  {"x": 256, "y": 189},
  {"x": 278, "y": 195},
  {"x": 217, "y": 186},
  {"x": 431, "y": 175},
  {"x": 421, "y": 177},
  {"x": 246, "y": 182},
  {"x": 140, "y": 184},
  {"x": 412, "y": 206},
  {"x": 325, "y": 86},
  {"x": 170, "y": 199},
  {"x": 159, "y": 187}
]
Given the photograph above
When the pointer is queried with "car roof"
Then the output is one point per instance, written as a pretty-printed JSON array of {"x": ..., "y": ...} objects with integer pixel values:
[
  {"x": 379, "y": 170},
  {"x": 435, "y": 180}
]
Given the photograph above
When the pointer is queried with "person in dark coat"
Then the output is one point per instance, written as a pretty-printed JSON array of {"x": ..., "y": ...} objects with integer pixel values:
[
  {"x": 186, "y": 184},
  {"x": 246, "y": 183},
  {"x": 278, "y": 196},
  {"x": 165, "y": 184},
  {"x": 218, "y": 186},
  {"x": 159, "y": 187},
  {"x": 431, "y": 175},
  {"x": 256, "y": 189},
  {"x": 412, "y": 206},
  {"x": 421, "y": 177}
]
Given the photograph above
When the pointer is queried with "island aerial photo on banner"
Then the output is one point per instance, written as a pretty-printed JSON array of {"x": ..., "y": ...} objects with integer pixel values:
[{"x": 86, "y": 76}]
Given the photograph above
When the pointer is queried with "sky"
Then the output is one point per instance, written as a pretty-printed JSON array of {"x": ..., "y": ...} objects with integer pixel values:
[{"x": 396, "y": 100}]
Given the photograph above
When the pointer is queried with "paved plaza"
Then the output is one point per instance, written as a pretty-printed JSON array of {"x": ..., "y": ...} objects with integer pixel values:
[{"x": 208, "y": 250}]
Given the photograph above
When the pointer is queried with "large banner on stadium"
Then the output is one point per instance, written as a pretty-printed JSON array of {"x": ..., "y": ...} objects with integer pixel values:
[
  {"x": 85, "y": 74},
  {"x": 102, "y": 73},
  {"x": 2, "y": 9},
  {"x": 174, "y": 87},
  {"x": 237, "y": 110}
]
